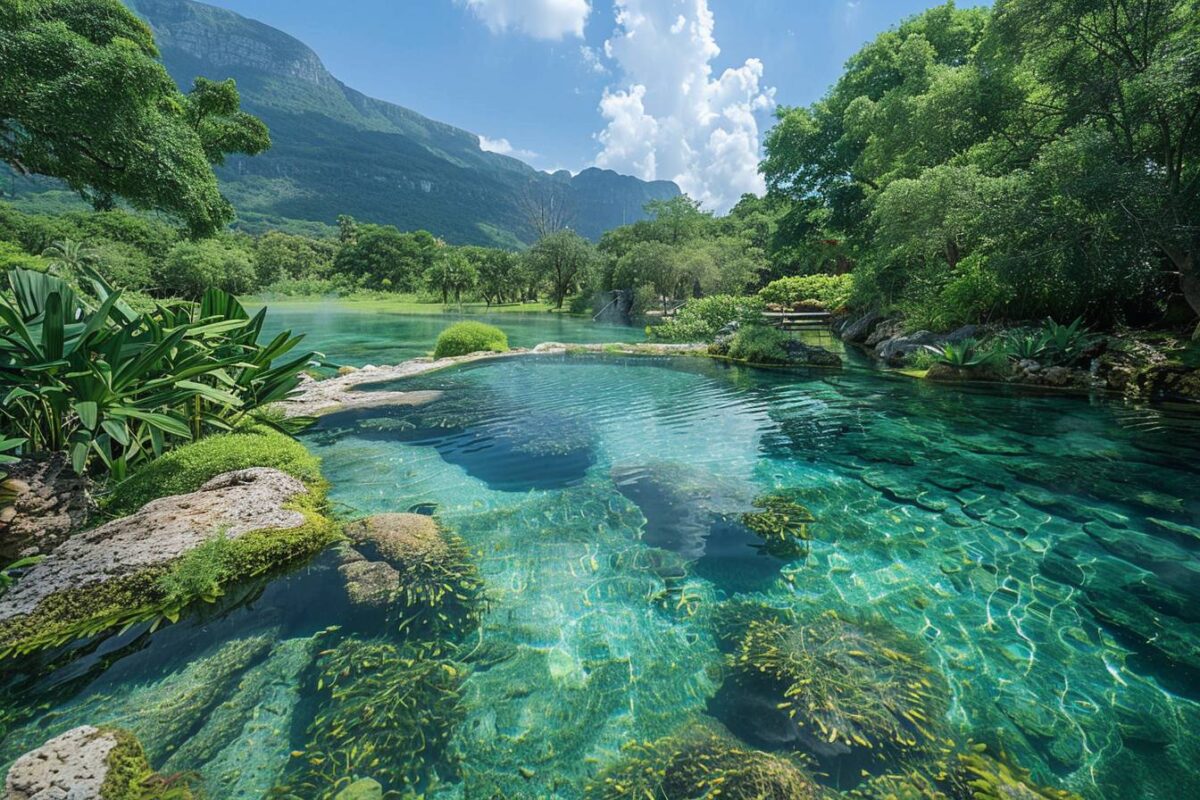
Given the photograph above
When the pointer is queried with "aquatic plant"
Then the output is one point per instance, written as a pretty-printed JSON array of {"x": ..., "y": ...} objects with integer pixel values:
[
  {"x": 702, "y": 760},
  {"x": 782, "y": 523},
  {"x": 979, "y": 776},
  {"x": 439, "y": 588},
  {"x": 732, "y": 618},
  {"x": 130, "y": 777},
  {"x": 858, "y": 683},
  {"x": 384, "y": 710},
  {"x": 464, "y": 338},
  {"x": 910, "y": 785}
]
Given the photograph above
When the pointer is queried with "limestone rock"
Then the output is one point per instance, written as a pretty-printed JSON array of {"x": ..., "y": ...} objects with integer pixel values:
[
  {"x": 810, "y": 355},
  {"x": 72, "y": 766},
  {"x": 50, "y": 501},
  {"x": 369, "y": 583},
  {"x": 234, "y": 504},
  {"x": 857, "y": 330},
  {"x": 399, "y": 538}
]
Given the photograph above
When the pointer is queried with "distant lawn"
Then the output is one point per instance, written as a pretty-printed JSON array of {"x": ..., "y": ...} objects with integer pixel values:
[{"x": 406, "y": 304}]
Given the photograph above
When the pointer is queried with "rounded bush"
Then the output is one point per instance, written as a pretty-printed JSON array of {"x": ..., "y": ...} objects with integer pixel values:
[
  {"x": 759, "y": 344},
  {"x": 464, "y": 338}
]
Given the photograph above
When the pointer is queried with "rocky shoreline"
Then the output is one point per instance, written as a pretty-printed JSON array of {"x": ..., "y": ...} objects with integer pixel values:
[{"x": 1117, "y": 363}]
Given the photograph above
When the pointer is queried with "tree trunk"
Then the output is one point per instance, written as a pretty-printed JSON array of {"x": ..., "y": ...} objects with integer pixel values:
[{"x": 1189, "y": 275}]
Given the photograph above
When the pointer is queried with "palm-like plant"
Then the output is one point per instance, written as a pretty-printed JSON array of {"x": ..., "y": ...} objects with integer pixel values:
[
  {"x": 70, "y": 257},
  {"x": 1026, "y": 346},
  {"x": 1066, "y": 343},
  {"x": 100, "y": 381}
]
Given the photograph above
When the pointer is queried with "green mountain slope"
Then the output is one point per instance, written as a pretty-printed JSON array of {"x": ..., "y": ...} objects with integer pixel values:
[{"x": 337, "y": 151}]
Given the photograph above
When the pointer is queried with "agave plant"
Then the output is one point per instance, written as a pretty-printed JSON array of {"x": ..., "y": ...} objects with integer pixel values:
[
  {"x": 90, "y": 376},
  {"x": 963, "y": 355},
  {"x": 1066, "y": 343},
  {"x": 1026, "y": 346}
]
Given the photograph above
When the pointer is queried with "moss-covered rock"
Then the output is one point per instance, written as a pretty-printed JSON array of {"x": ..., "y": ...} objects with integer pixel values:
[
  {"x": 115, "y": 575},
  {"x": 464, "y": 338},
  {"x": 185, "y": 469},
  {"x": 94, "y": 763},
  {"x": 702, "y": 760},
  {"x": 438, "y": 587}
]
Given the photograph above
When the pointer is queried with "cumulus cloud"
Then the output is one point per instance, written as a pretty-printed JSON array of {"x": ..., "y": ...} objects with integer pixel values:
[
  {"x": 673, "y": 119},
  {"x": 505, "y": 148},
  {"x": 591, "y": 59},
  {"x": 541, "y": 19}
]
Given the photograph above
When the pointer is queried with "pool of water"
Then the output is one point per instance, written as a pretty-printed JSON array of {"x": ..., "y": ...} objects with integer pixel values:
[
  {"x": 1041, "y": 553},
  {"x": 351, "y": 336}
]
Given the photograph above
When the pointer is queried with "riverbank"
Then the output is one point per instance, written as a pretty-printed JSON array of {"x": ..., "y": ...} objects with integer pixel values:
[{"x": 387, "y": 303}]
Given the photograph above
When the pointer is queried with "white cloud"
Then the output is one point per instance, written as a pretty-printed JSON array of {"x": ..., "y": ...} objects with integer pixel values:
[
  {"x": 505, "y": 148},
  {"x": 591, "y": 58},
  {"x": 541, "y": 19},
  {"x": 673, "y": 120}
]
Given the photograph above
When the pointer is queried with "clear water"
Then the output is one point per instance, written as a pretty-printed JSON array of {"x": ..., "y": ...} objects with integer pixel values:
[
  {"x": 1045, "y": 549},
  {"x": 346, "y": 335}
]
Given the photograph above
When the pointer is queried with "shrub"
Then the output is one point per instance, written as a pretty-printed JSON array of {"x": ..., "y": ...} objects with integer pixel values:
[
  {"x": 759, "y": 344},
  {"x": 963, "y": 355},
  {"x": 701, "y": 319},
  {"x": 1066, "y": 343},
  {"x": 464, "y": 338},
  {"x": 191, "y": 268},
  {"x": 187, "y": 468},
  {"x": 830, "y": 291}
]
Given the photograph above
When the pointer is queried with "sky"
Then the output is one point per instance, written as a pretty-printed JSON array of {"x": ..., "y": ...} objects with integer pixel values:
[{"x": 678, "y": 90}]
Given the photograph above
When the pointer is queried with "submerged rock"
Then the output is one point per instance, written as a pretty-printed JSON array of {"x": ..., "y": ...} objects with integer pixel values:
[
  {"x": 73, "y": 765},
  {"x": 364, "y": 789}
]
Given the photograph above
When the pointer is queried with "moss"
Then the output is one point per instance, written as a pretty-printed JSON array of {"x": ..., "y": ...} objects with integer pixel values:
[
  {"x": 384, "y": 709},
  {"x": 782, "y": 524},
  {"x": 860, "y": 684},
  {"x": 702, "y": 760},
  {"x": 129, "y": 775},
  {"x": 464, "y": 338},
  {"x": 187, "y": 468},
  {"x": 86, "y": 611}
]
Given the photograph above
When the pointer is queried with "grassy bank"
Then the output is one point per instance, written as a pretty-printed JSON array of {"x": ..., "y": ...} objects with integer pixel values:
[{"x": 406, "y": 304}]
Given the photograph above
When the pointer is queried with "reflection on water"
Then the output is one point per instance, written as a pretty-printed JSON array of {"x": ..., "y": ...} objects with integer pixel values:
[{"x": 1042, "y": 554}]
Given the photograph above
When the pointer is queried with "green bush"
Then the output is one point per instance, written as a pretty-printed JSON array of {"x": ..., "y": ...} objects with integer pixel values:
[
  {"x": 463, "y": 338},
  {"x": 830, "y": 291},
  {"x": 759, "y": 344},
  {"x": 193, "y": 267},
  {"x": 701, "y": 319},
  {"x": 187, "y": 468}
]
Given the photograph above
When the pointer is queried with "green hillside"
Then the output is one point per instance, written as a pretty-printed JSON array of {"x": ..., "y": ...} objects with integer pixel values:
[{"x": 336, "y": 151}]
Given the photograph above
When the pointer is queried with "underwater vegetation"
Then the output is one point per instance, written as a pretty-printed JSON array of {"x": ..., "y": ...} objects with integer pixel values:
[
  {"x": 782, "y": 524},
  {"x": 438, "y": 588},
  {"x": 848, "y": 684},
  {"x": 385, "y": 710},
  {"x": 703, "y": 760}
]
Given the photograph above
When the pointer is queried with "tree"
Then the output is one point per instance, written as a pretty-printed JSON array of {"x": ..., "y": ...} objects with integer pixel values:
[
  {"x": 384, "y": 258},
  {"x": 677, "y": 220},
  {"x": 653, "y": 264},
  {"x": 563, "y": 260},
  {"x": 547, "y": 207},
  {"x": 453, "y": 272},
  {"x": 280, "y": 255},
  {"x": 499, "y": 273},
  {"x": 191, "y": 268},
  {"x": 70, "y": 257},
  {"x": 84, "y": 98}
]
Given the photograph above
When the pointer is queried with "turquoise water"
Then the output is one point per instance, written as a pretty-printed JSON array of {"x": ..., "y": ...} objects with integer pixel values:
[
  {"x": 349, "y": 336},
  {"x": 1043, "y": 552}
]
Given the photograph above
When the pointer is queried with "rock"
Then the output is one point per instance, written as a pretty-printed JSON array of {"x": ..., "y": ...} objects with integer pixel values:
[
  {"x": 1170, "y": 382},
  {"x": 894, "y": 350},
  {"x": 857, "y": 330},
  {"x": 884, "y": 330},
  {"x": 398, "y": 538},
  {"x": 364, "y": 789},
  {"x": 344, "y": 371},
  {"x": 234, "y": 504},
  {"x": 86, "y": 763},
  {"x": 73, "y": 766},
  {"x": 809, "y": 355},
  {"x": 369, "y": 583},
  {"x": 949, "y": 374},
  {"x": 49, "y": 501}
]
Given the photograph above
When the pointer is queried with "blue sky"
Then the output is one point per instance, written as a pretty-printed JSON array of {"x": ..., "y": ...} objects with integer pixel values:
[{"x": 517, "y": 72}]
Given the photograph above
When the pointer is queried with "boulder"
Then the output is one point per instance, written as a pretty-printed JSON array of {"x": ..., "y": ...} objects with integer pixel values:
[
  {"x": 369, "y": 583},
  {"x": 232, "y": 504},
  {"x": 857, "y": 330},
  {"x": 363, "y": 789},
  {"x": 810, "y": 355},
  {"x": 400, "y": 538},
  {"x": 884, "y": 330},
  {"x": 46, "y": 500},
  {"x": 895, "y": 350},
  {"x": 76, "y": 766},
  {"x": 1170, "y": 382}
]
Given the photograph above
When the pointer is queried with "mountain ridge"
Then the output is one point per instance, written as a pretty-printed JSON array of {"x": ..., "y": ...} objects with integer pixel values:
[{"x": 337, "y": 150}]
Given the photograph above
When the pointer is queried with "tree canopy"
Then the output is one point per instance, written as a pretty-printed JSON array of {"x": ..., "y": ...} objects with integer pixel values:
[{"x": 84, "y": 98}]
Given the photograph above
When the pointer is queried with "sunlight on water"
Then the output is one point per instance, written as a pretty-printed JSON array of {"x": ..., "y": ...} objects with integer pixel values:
[{"x": 1043, "y": 550}]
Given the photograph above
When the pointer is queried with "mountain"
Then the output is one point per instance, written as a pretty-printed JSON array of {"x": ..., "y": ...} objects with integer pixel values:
[{"x": 337, "y": 151}]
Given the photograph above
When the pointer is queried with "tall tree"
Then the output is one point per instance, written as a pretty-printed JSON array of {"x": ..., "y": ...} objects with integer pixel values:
[
  {"x": 563, "y": 260},
  {"x": 84, "y": 98}
]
